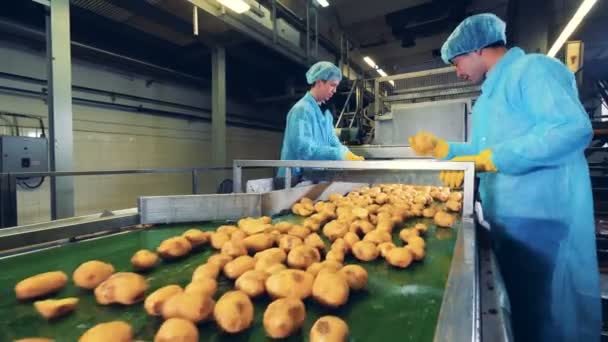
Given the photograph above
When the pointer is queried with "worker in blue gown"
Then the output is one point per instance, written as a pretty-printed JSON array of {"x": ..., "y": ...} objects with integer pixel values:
[
  {"x": 309, "y": 132},
  {"x": 528, "y": 139}
]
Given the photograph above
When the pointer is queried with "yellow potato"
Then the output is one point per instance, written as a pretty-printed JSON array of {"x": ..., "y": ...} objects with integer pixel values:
[
  {"x": 417, "y": 251},
  {"x": 218, "y": 239},
  {"x": 429, "y": 212},
  {"x": 290, "y": 283},
  {"x": 300, "y": 210},
  {"x": 421, "y": 228},
  {"x": 385, "y": 225},
  {"x": 259, "y": 242},
  {"x": 203, "y": 286},
  {"x": 144, "y": 260},
  {"x": 220, "y": 260},
  {"x": 53, "y": 308},
  {"x": 385, "y": 247},
  {"x": 302, "y": 256},
  {"x": 335, "y": 197},
  {"x": 416, "y": 240},
  {"x": 91, "y": 273},
  {"x": 154, "y": 302},
  {"x": 330, "y": 289},
  {"x": 34, "y": 339},
  {"x": 453, "y": 205},
  {"x": 283, "y": 317},
  {"x": 283, "y": 227},
  {"x": 264, "y": 264},
  {"x": 444, "y": 219},
  {"x": 123, "y": 288},
  {"x": 340, "y": 245},
  {"x": 456, "y": 196},
  {"x": 329, "y": 329},
  {"x": 196, "y": 237},
  {"x": 377, "y": 236},
  {"x": 350, "y": 239},
  {"x": 405, "y": 234},
  {"x": 177, "y": 330},
  {"x": 288, "y": 242},
  {"x": 238, "y": 236},
  {"x": 234, "y": 312},
  {"x": 40, "y": 285},
  {"x": 314, "y": 240},
  {"x": 276, "y": 268},
  {"x": 355, "y": 275},
  {"x": 234, "y": 248},
  {"x": 399, "y": 257},
  {"x": 227, "y": 229},
  {"x": 252, "y": 283},
  {"x": 238, "y": 266},
  {"x": 174, "y": 247},
  {"x": 208, "y": 270},
  {"x": 310, "y": 224},
  {"x": 119, "y": 330},
  {"x": 299, "y": 231},
  {"x": 336, "y": 255},
  {"x": 191, "y": 306},
  {"x": 335, "y": 229},
  {"x": 365, "y": 251}
]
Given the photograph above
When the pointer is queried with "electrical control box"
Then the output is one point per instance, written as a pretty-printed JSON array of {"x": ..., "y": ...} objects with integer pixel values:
[{"x": 23, "y": 154}]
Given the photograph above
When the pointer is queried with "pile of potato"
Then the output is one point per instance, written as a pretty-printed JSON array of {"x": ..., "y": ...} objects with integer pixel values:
[{"x": 289, "y": 262}]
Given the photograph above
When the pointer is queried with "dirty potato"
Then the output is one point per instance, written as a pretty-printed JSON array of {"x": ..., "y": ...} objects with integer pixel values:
[
  {"x": 252, "y": 283},
  {"x": 196, "y": 237},
  {"x": 302, "y": 256},
  {"x": 290, "y": 283},
  {"x": 335, "y": 229},
  {"x": 91, "y": 273},
  {"x": 123, "y": 288},
  {"x": 283, "y": 317},
  {"x": 350, "y": 239},
  {"x": 399, "y": 257},
  {"x": 444, "y": 219},
  {"x": 330, "y": 289},
  {"x": 53, "y": 308},
  {"x": 234, "y": 312},
  {"x": 154, "y": 302},
  {"x": 329, "y": 328},
  {"x": 355, "y": 275},
  {"x": 365, "y": 251},
  {"x": 177, "y": 330},
  {"x": 40, "y": 285},
  {"x": 144, "y": 260},
  {"x": 314, "y": 240},
  {"x": 454, "y": 205},
  {"x": 119, "y": 330},
  {"x": 191, "y": 306},
  {"x": 288, "y": 242},
  {"x": 175, "y": 247}
]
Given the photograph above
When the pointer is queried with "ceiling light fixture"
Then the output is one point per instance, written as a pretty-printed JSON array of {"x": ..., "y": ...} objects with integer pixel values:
[
  {"x": 370, "y": 62},
  {"x": 572, "y": 25},
  {"x": 238, "y": 6},
  {"x": 323, "y": 3}
]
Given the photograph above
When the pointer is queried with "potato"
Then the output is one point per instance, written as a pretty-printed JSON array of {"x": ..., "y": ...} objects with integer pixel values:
[
  {"x": 335, "y": 229},
  {"x": 340, "y": 245},
  {"x": 335, "y": 197},
  {"x": 350, "y": 239},
  {"x": 40, "y": 285},
  {"x": 453, "y": 205},
  {"x": 330, "y": 289},
  {"x": 456, "y": 196},
  {"x": 208, "y": 270},
  {"x": 53, "y": 308},
  {"x": 429, "y": 212},
  {"x": 336, "y": 255},
  {"x": 288, "y": 242},
  {"x": 444, "y": 219},
  {"x": 417, "y": 251},
  {"x": 123, "y": 288},
  {"x": 302, "y": 256},
  {"x": 119, "y": 330},
  {"x": 355, "y": 275},
  {"x": 34, "y": 339},
  {"x": 252, "y": 283},
  {"x": 405, "y": 234},
  {"x": 416, "y": 240},
  {"x": 329, "y": 329},
  {"x": 144, "y": 260},
  {"x": 91, "y": 273},
  {"x": 264, "y": 263},
  {"x": 276, "y": 268},
  {"x": 299, "y": 231},
  {"x": 384, "y": 225},
  {"x": 234, "y": 312},
  {"x": 314, "y": 240},
  {"x": 177, "y": 330},
  {"x": 259, "y": 242},
  {"x": 399, "y": 257},
  {"x": 365, "y": 251},
  {"x": 238, "y": 236},
  {"x": 238, "y": 266},
  {"x": 174, "y": 247},
  {"x": 227, "y": 229},
  {"x": 290, "y": 283},
  {"x": 218, "y": 239},
  {"x": 203, "y": 286},
  {"x": 154, "y": 302},
  {"x": 196, "y": 237},
  {"x": 188, "y": 305},
  {"x": 283, "y": 317},
  {"x": 234, "y": 248},
  {"x": 310, "y": 224},
  {"x": 219, "y": 259},
  {"x": 283, "y": 227},
  {"x": 385, "y": 247},
  {"x": 301, "y": 210},
  {"x": 421, "y": 228},
  {"x": 377, "y": 236}
]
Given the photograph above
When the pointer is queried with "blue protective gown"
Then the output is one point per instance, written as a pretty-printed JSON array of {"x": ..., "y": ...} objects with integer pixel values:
[
  {"x": 539, "y": 203},
  {"x": 310, "y": 135}
]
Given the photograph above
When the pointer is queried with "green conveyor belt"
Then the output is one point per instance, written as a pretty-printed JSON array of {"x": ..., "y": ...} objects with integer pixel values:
[{"x": 397, "y": 305}]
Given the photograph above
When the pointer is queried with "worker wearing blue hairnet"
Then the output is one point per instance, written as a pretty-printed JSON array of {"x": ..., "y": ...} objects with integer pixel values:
[
  {"x": 528, "y": 140},
  {"x": 309, "y": 133}
]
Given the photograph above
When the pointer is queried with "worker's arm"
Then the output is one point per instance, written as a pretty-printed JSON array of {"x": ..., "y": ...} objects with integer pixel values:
[
  {"x": 301, "y": 139},
  {"x": 461, "y": 149},
  {"x": 548, "y": 95}
]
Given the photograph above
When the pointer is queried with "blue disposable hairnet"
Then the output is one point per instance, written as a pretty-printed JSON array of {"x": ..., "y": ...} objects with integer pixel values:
[
  {"x": 324, "y": 71},
  {"x": 474, "y": 33}
]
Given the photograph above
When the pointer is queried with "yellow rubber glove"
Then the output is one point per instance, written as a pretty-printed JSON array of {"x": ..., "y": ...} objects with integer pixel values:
[
  {"x": 483, "y": 163},
  {"x": 352, "y": 156},
  {"x": 427, "y": 144}
]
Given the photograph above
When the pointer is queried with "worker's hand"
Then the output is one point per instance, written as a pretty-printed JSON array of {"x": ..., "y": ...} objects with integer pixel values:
[
  {"x": 483, "y": 163},
  {"x": 427, "y": 144},
  {"x": 351, "y": 156}
]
